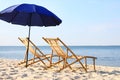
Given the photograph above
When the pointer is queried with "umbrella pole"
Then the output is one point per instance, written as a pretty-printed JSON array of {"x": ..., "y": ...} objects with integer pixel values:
[{"x": 28, "y": 47}]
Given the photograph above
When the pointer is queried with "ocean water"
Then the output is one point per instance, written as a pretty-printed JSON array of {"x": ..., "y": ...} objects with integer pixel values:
[{"x": 106, "y": 55}]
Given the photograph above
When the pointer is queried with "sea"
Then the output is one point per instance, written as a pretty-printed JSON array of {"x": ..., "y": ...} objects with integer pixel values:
[{"x": 106, "y": 55}]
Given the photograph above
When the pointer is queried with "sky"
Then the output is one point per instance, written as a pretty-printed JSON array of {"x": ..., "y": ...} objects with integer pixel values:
[{"x": 84, "y": 23}]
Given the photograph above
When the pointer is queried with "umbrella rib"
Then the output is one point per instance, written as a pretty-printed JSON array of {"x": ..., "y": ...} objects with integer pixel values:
[
  {"x": 29, "y": 19},
  {"x": 42, "y": 20},
  {"x": 13, "y": 17}
]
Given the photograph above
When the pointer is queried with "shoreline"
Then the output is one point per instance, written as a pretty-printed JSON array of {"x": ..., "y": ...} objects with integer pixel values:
[{"x": 10, "y": 70}]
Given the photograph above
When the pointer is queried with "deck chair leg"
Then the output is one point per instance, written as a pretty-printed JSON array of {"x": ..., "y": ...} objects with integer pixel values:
[
  {"x": 42, "y": 61},
  {"x": 25, "y": 55},
  {"x": 58, "y": 59},
  {"x": 65, "y": 63},
  {"x": 69, "y": 65},
  {"x": 86, "y": 63},
  {"x": 51, "y": 60},
  {"x": 83, "y": 66},
  {"x": 34, "y": 58},
  {"x": 94, "y": 64}
]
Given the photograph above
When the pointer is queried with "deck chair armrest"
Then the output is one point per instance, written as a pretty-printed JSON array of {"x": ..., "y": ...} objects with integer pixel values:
[{"x": 90, "y": 57}]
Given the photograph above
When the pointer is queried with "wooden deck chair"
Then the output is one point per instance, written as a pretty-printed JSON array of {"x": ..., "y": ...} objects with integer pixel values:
[
  {"x": 38, "y": 55},
  {"x": 56, "y": 45}
]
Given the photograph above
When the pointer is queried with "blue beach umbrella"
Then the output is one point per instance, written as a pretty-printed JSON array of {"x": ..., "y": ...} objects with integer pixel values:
[{"x": 29, "y": 15}]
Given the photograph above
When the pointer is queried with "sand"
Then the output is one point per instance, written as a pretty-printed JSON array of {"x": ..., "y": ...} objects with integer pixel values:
[{"x": 10, "y": 70}]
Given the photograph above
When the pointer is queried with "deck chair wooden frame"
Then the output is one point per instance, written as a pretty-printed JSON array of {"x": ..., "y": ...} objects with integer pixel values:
[
  {"x": 38, "y": 55},
  {"x": 68, "y": 54}
]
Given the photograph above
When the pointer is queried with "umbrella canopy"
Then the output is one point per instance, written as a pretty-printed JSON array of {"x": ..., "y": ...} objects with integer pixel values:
[{"x": 29, "y": 15}]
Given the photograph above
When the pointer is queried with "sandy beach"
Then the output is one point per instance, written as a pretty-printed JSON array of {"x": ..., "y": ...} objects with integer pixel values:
[{"x": 10, "y": 70}]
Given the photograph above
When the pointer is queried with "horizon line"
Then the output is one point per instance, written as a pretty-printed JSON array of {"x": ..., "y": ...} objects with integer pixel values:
[{"x": 67, "y": 45}]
